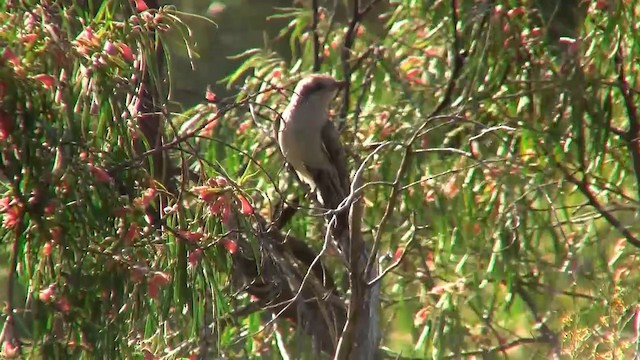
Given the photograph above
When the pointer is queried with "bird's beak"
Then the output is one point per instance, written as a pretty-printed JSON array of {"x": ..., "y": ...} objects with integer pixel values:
[{"x": 341, "y": 84}]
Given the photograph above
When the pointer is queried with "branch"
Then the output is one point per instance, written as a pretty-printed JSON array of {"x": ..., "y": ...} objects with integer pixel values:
[
  {"x": 316, "y": 38},
  {"x": 396, "y": 263},
  {"x": 499, "y": 348},
  {"x": 547, "y": 335},
  {"x": 633, "y": 133},
  {"x": 583, "y": 186},
  {"x": 349, "y": 40}
]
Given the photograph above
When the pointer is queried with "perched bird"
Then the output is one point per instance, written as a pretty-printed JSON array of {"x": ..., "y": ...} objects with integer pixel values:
[{"x": 310, "y": 142}]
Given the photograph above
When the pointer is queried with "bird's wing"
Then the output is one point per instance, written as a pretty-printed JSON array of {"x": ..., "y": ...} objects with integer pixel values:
[
  {"x": 333, "y": 182},
  {"x": 334, "y": 151}
]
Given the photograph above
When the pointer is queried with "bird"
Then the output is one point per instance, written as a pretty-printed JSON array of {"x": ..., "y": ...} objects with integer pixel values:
[{"x": 310, "y": 142}]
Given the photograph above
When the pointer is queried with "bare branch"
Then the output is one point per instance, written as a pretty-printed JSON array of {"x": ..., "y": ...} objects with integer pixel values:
[{"x": 633, "y": 133}]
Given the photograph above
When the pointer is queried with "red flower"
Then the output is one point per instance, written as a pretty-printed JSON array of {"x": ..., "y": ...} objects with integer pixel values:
[
  {"x": 63, "y": 305},
  {"x": 10, "y": 56},
  {"x": 56, "y": 234},
  {"x": 230, "y": 245},
  {"x": 219, "y": 181},
  {"x": 50, "y": 208},
  {"x": 12, "y": 217},
  {"x": 46, "y": 80},
  {"x": 153, "y": 290},
  {"x": 29, "y": 38},
  {"x": 137, "y": 273},
  {"x": 126, "y": 52},
  {"x": 86, "y": 39},
  {"x": 216, "y": 206},
  {"x": 451, "y": 188},
  {"x": 47, "y": 248},
  {"x": 101, "y": 175},
  {"x": 121, "y": 212},
  {"x": 397, "y": 255},
  {"x": 194, "y": 257},
  {"x": 191, "y": 236},
  {"x": 516, "y": 12},
  {"x": 148, "y": 355},
  {"x": 226, "y": 213},
  {"x": 536, "y": 32},
  {"x": 4, "y": 204},
  {"x": 141, "y": 5},
  {"x": 132, "y": 234},
  {"x": 421, "y": 316},
  {"x": 160, "y": 278},
  {"x": 246, "y": 208},
  {"x": 414, "y": 75},
  {"x": 157, "y": 279},
  {"x": 206, "y": 193},
  {"x": 9, "y": 349}
]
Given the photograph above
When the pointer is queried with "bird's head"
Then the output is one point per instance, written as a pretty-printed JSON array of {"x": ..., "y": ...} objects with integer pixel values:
[{"x": 317, "y": 91}]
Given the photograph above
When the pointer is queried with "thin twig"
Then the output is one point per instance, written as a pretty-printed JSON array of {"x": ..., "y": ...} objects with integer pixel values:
[
  {"x": 584, "y": 188},
  {"x": 396, "y": 263},
  {"x": 349, "y": 39},
  {"x": 500, "y": 348},
  {"x": 316, "y": 37},
  {"x": 633, "y": 133}
]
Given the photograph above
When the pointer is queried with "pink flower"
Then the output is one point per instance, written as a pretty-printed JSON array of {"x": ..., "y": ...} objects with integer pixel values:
[
  {"x": 147, "y": 195},
  {"x": 86, "y": 39},
  {"x": 110, "y": 48},
  {"x": 46, "y": 294},
  {"x": 242, "y": 128},
  {"x": 210, "y": 95}
]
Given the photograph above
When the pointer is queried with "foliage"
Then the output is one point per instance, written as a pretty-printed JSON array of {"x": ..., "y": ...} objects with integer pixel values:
[{"x": 502, "y": 199}]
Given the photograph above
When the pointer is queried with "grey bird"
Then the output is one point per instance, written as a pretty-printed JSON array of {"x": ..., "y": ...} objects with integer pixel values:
[{"x": 310, "y": 142}]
